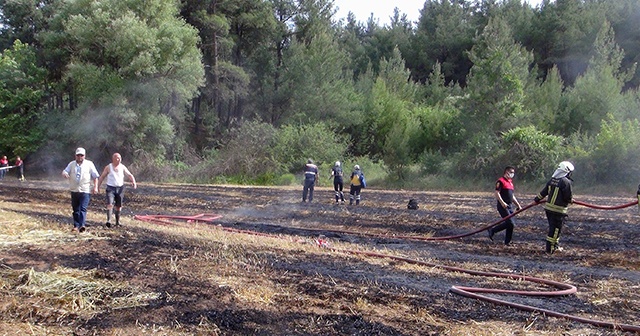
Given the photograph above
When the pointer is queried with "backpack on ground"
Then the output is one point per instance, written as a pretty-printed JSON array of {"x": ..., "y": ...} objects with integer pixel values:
[{"x": 413, "y": 205}]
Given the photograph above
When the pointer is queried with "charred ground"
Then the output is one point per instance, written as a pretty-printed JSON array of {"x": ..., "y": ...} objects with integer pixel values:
[{"x": 207, "y": 281}]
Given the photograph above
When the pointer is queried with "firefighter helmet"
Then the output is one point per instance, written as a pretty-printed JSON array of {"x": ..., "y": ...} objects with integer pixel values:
[{"x": 565, "y": 166}]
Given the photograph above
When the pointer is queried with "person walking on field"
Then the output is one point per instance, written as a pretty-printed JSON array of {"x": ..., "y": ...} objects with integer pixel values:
[
  {"x": 20, "y": 168},
  {"x": 338, "y": 183},
  {"x": 357, "y": 183},
  {"x": 505, "y": 199},
  {"x": 115, "y": 173},
  {"x": 310, "y": 179},
  {"x": 81, "y": 173},
  {"x": 559, "y": 196}
]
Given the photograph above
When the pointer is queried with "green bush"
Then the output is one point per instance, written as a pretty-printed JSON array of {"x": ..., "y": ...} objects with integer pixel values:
[
  {"x": 294, "y": 144},
  {"x": 476, "y": 159},
  {"x": 531, "y": 151},
  {"x": 286, "y": 180},
  {"x": 616, "y": 153}
]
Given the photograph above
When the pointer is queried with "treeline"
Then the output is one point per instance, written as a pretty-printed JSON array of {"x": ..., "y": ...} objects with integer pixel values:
[{"x": 247, "y": 90}]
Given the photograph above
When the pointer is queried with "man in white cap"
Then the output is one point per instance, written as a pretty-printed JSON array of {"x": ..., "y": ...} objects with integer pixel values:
[
  {"x": 559, "y": 196},
  {"x": 81, "y": 173}
]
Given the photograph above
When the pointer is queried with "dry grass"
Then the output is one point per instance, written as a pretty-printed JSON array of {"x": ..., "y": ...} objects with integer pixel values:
[
  {"x": 72, "y": 291},
  {"x": 240, "y": 270}
]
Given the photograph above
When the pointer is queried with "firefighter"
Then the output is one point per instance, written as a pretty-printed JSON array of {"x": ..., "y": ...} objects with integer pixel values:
[
  {"x": 559, "y": 196},
  {"x": 357, "y": 183},
  {"x": 338, "y": 183},
  {"x": 310, "y": 179}
]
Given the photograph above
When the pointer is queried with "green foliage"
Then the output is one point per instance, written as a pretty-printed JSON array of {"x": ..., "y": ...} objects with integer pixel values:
[
  {"x": 286, "y": 180},
  {"x": 295, "y": 144},
  {"x": 545, "y": 101},
  {"x": 440, "y": 129},
  {"x": 134, "y": 66},
  {"x": 22, "y": 89},
  {"x": 616, "y": 152},
  {"x": 599, "y": 91},
  {"x": 247, "y": 153},
  {"x": 476, "y": 158},
  {"x": 497, "y": 80},
  {"x": 317, "y": 85},
  {"x": 444, "y": 35},
  {"x": 188, "y": 87},
  {"x": 529, "y": 150},
  {"x": 397, "y": 151}
]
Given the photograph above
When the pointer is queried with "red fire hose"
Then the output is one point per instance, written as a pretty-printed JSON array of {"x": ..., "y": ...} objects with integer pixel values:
[{"x": 471, "y": 292}]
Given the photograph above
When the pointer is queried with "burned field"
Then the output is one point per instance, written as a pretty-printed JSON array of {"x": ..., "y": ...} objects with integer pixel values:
[{"x": 273, "y": 266}]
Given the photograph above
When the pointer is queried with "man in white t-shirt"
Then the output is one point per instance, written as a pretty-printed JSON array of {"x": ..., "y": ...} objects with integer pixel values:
[
  {"x": 115, "y": 173},
  {"x": 80, "y": 173}
]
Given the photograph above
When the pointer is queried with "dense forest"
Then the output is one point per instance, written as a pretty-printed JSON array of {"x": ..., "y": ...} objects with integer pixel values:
[{"x": 247, "y": 90}]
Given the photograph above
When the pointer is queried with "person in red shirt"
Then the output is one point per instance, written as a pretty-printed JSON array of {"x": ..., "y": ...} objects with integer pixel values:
[
  {"x": 4, "y": 164},
  {"x": 20, "y": 168},
  {"x": 505, "y": 199}
]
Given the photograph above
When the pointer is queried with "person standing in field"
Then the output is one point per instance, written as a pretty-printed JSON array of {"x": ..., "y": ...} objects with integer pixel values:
[
  {"x": 357, "y": 183},
  {"x": 4, "y": 166},
  {"x": 559, "y": 196},
  {"x": 338, "y": 183},
  {"x": 505, "y": 199},
  {"x": 310, "y": 179},
  {"x": 81, "y": 173},
  {"x": 19, "y": 168},
  {"x": 115, "y": 173}
]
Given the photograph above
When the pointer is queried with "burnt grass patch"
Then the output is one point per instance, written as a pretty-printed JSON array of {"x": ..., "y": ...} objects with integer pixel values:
[{"x": 213, "y": 282}]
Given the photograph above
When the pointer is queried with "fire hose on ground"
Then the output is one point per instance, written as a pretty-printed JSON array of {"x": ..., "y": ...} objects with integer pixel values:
[{"x": 562, "y": 289}]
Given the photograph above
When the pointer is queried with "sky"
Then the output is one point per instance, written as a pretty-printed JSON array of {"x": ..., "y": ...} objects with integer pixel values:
[{"x": 383, "y": 9}]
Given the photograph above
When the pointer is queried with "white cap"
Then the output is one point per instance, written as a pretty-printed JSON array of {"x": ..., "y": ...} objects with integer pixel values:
[{"x": 80, "y": 150}]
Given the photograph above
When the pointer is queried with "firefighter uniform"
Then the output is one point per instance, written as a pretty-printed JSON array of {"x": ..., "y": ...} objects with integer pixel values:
[{"x": 559, "y": 196}]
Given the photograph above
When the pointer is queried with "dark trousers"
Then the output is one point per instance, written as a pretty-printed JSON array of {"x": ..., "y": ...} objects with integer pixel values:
[
  {"x": 354, "y": 193},
  {"x": 506, "y": 225},
  {"x": 337, "y": 186},
  {"x": 308, "y": 189},
  {"x": 79, "y": 204},
  {"x": 114, "y": 195},
  {"x": 556, "y": 222}
]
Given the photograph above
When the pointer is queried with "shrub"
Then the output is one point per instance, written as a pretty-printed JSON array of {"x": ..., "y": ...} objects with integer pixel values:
[
  {"x": 531, "y": 151},
  {"x": 246, "y": 155},
  {"x": 294, "y": 144},
  {"x": 616, "y": 152}
]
